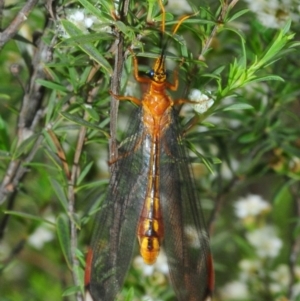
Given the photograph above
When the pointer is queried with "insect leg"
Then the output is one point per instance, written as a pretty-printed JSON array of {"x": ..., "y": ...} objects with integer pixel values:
[{"x": 130, "y": 98}]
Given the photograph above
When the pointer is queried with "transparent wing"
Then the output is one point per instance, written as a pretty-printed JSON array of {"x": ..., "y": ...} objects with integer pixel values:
[
  {"x": 115, "y": 229},
  {"x": 186, "y": 240}
]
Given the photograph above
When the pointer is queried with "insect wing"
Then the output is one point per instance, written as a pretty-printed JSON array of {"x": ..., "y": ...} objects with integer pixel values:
[
  {"x": 186, "y": 241},
  {"x": 114, "y": 236}
]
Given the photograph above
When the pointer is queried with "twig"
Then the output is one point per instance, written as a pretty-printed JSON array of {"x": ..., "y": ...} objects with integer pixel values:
[
  {"x": 219, "y": 203},
  {"x": 14, "y": 26},
  {"x": 72, "y": 193},
  {"x": 225, "y": 8},
  {"x": 30, "y": 115},
  {"x": 28, "y": 119},
  {"x": 115, "y": 86},
  {"x": 14, "y": 174}
]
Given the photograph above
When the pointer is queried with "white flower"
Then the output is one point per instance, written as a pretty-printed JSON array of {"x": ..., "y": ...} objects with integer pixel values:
[
  {"x": 204, "y": 102},
  {"x": 295, "y": 292},
  {"x": 297, "y": 272},
  {"x": 80, "y": 19},
  {"x": 88, "y": 22},
  {"x": 83, "y": 20},
  {"x": 273, "y": 14},
  {"x": 178, "y": 7},
  {"x": 235, "y": 290},
  {"x": 76, "y": 16},
  {"x": 249, "y": 269},
  {"x": 252, "y": 205},
  {"x": 280, "y": 279},
  {"x": 160, "y": 265},
  {"x": 40, "y": 236},
  {"x": 265, "y": 241}
]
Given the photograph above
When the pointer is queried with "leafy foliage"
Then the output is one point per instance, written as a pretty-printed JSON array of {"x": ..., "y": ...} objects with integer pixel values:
[{"x": 55, "y": 133}]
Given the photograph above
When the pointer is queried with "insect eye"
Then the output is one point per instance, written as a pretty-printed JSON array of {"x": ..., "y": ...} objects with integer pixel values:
[{"x": 150, "y": 73}]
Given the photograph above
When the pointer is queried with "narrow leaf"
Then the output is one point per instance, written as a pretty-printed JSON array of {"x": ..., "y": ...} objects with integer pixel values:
[
  {"x": 83, "y": 122},
  {"x": 88, "y": 48},
  {"x": 71, "y": 291},
  {"x": 59, "y": 191},
  {"x": 267, "y": 78},
  {"x": 84, "y": 172},
  {"x": 28, "y": 216},
  {"x": 63, "y": 233},
  {"x": 51, "y": 85},
  {"x": 107, "y": 5},
  {"x": 237, "y": 15},
  {"x": 130, "y": 295},
  {"x": 238, "y": 106}
]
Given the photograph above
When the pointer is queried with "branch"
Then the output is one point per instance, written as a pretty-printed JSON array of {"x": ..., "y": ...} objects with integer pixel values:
[
  {"x": 115, "y": 86},
  {"x": 15, "y": 25},
  {"x": 30, "y": 114},
  {"x": 219, "y": 202},
  {"x": 225, "y": 8},
  {"x": 72, "y": 186}
]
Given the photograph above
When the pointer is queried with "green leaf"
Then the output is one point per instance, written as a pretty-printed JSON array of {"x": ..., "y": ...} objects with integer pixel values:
[
  {"x": 28, "y": 216},
  {"x": 122, "y": 27},
  {"x": 244, "y": 246},
  {"x": 60, "y": 192},
  {"x": 199, "y": 155},
  {"x": 283, "y": 194},
  {"x": 208, "y": 124},
  {"x": 4, "y": 138},
  {"x": 83, "y": 122},
  {"x": 283, "y": 206},
  {"x": 287, "y": 26},
  {"x": 249, "y": 137},
  {"x": 92, "y": 184},
  {"x": 216, "y": 160},
  {"x": 267, "y": 78},
  {"x": 85, "y": 38},
  {"x": 84, "y": 172},
  {"x": 207, "y": 164},
  {"x": 88, "y": 48},
  {"x": 107, "y": 5},
  {"x": 130, "y": 295},
  {"x": 4, "y": 96},
  {"x": 71, "y": 291},
  {"x": 237, "y": 15},
  {"x": 80, "y": 256},
  {"x": 63, "y": 233},
  {"x": 26, "y": 145},
  {"x": 5, "y": 155},
  {"x": 238, "y": 106},
  {"x": 52, "y": 86},
  {"x": 92, "y": 112}
]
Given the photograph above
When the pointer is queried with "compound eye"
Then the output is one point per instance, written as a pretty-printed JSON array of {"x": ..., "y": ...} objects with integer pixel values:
[{"x": 150, "y": 73}]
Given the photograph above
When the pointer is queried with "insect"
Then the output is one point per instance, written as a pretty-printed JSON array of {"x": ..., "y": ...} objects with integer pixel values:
[{"x": 151, "y": 199}]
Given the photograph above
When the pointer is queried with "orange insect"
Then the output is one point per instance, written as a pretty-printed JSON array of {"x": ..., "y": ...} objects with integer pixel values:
[{"x": 152, "y": 196}]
